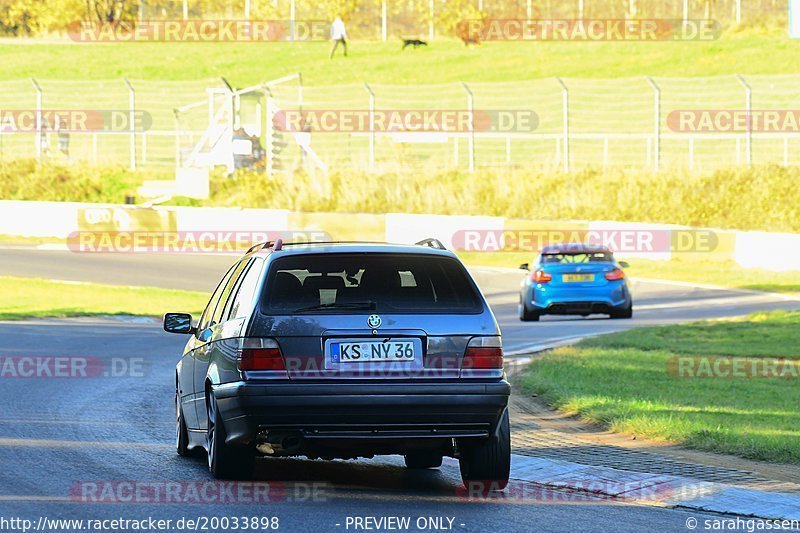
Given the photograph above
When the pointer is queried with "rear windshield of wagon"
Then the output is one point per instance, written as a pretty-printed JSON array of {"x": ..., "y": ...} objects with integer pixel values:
[{"x": 344, "y": 283}]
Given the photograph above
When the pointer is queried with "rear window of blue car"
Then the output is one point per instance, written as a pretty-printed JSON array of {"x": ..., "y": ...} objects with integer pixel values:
[
  {"x": 379, "y": 282},
  {"x": 578, "y": 257}
]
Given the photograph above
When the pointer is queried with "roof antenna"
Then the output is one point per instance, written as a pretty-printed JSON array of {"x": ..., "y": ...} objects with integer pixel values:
[{"x": 278, "y": 245}]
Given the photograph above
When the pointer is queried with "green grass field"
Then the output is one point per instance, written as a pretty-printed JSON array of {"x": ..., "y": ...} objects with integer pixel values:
[
  {"x": 621, "y": 382},
  {"x": 39, "y": 298},
  {"x": 445, "y": 60},
  {"x": 608, "y": 94}
]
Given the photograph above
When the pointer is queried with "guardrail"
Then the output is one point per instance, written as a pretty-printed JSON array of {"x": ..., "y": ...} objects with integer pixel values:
[{"x": 749, "y": 249}]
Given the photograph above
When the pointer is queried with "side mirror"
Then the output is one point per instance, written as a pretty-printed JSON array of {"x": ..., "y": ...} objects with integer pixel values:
[
  {"x": 179, "y": 323},
  {"x": 524, "y": 266},
  {"x": 624, "y": 264}
]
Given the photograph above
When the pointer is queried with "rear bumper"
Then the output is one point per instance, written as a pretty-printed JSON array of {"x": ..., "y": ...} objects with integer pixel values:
[
  {"x": 560, "y": 300},
  {"x": 362, "y": 411},
  {"x": 577, "y": 308}
]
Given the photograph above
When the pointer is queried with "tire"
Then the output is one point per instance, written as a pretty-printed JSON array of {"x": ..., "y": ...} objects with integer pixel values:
[
  {"x": 181, "y": 433},
  {"x": 626, "y": 312},
  {"x": 487, "y": 463},
  {"x": 423, "y": 460},
  {"x": 225, "y": 461},
  {"x": 527, "y": 316}
]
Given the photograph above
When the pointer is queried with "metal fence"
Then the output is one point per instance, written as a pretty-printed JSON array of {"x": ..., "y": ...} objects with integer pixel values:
[
  {"x": 387, "y": 19},
  {"x": 582, "y": 122}
]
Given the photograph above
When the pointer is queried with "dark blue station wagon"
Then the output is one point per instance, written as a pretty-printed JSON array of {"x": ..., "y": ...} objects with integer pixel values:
[{"x": 344, "y": 350}]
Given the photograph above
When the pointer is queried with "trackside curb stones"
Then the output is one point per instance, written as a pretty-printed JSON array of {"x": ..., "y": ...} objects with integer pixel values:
[{"x": 672, "y": 491}]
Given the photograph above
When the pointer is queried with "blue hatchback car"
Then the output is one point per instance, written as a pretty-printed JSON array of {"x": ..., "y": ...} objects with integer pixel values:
[{"x": 574, "y": 279}]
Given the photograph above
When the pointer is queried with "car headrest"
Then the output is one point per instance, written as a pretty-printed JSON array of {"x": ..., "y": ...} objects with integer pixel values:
[
  {"x": 324, "y": 282},
  {"x": 287, "y": 283}
]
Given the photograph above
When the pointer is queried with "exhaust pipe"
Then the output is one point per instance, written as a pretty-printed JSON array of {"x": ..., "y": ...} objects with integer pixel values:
[{"x": 278, "y": 442}]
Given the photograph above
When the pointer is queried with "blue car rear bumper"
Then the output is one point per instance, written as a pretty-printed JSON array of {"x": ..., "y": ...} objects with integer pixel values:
[{"x": 548, "y": 299}]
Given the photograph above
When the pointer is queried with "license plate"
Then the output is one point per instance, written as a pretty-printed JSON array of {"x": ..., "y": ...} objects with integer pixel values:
[
  {"x": 571, "y": 278},
  {"x": 372, "y": 351}
]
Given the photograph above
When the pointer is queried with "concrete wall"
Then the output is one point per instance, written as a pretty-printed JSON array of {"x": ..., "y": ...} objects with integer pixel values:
[{"x": 750, "y": 249}]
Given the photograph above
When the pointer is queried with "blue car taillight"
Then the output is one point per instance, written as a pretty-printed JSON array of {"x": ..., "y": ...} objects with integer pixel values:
[{"x": 540, "y": 276}]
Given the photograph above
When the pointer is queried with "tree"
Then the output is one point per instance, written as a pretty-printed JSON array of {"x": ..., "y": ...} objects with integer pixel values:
[
  {"x": 29, "y": 17},
  {"x": 110, "y": 10}
]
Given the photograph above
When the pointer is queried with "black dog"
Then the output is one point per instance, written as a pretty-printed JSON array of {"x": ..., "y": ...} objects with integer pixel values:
[{"x": 416, "y": 43}]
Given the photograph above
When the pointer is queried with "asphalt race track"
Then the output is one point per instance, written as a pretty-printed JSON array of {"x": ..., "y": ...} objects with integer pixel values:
[{"x": 65, "y": 442}]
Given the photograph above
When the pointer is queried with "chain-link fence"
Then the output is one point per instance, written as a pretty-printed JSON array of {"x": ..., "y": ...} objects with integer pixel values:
[{"x": 630, "y": 122}]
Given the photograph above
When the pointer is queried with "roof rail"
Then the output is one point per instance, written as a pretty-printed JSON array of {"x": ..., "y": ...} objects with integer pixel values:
[
  {"x": 256, "y": 246},
  {"x": 431, "y": 242},
  {"x": 276, "y": 245}
]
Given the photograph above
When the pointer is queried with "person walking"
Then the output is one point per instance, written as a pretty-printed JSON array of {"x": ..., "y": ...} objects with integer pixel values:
[{"x": 338, "y": 35}]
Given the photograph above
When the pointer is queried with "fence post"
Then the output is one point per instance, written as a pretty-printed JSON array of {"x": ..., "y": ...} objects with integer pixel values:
[
  {"x": 291, "y": 20},
  {"x": 268, "y": 129},
  {"x": 786, "y": 151},
  {"x": 565, "y": 120},
  {"x": 738, "y": 12},
  {"x": 685, "y": 13},
  {"x": 132, "y": 121},
  {"x": 177, "y": 116},
  {"x": 371, "y": 126},
  {"x": 247, "y": 9},
  {"x": 185, "y": 9},
  {"x": 656, "y": 124},
  {"x": 528, "y": 11},
  {"x": 38, "y": 119},
  {"x": 383, "y": 20},
  {"x": 748, "y": 105},
  {"x": 430, "y": 23},
  {"x": 471, "y": 138},
  {"x": 300, "y": 91}
]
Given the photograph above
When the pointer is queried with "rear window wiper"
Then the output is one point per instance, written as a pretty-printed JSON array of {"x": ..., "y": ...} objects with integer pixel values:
[{"x": 349, "y": 305}]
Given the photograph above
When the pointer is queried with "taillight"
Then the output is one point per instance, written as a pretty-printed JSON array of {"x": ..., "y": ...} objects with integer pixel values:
[
  {"x": 260, "y": 354},
  {"x": 483, "y": 353},
  {"x": 615, "y": 274},
  {"x": 540, "y": 276}
]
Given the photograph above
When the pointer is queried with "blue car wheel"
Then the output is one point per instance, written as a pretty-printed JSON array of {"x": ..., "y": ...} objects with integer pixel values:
[
  {"x": 623, "y": 312},
  {"x": 526, "y": 315}
]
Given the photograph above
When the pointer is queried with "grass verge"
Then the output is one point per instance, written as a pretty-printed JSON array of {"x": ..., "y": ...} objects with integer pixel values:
[
  {"x": 719, "y": 199},
  {"x": 620, "y": 381},
  {"x": 40, "y": 298}
]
